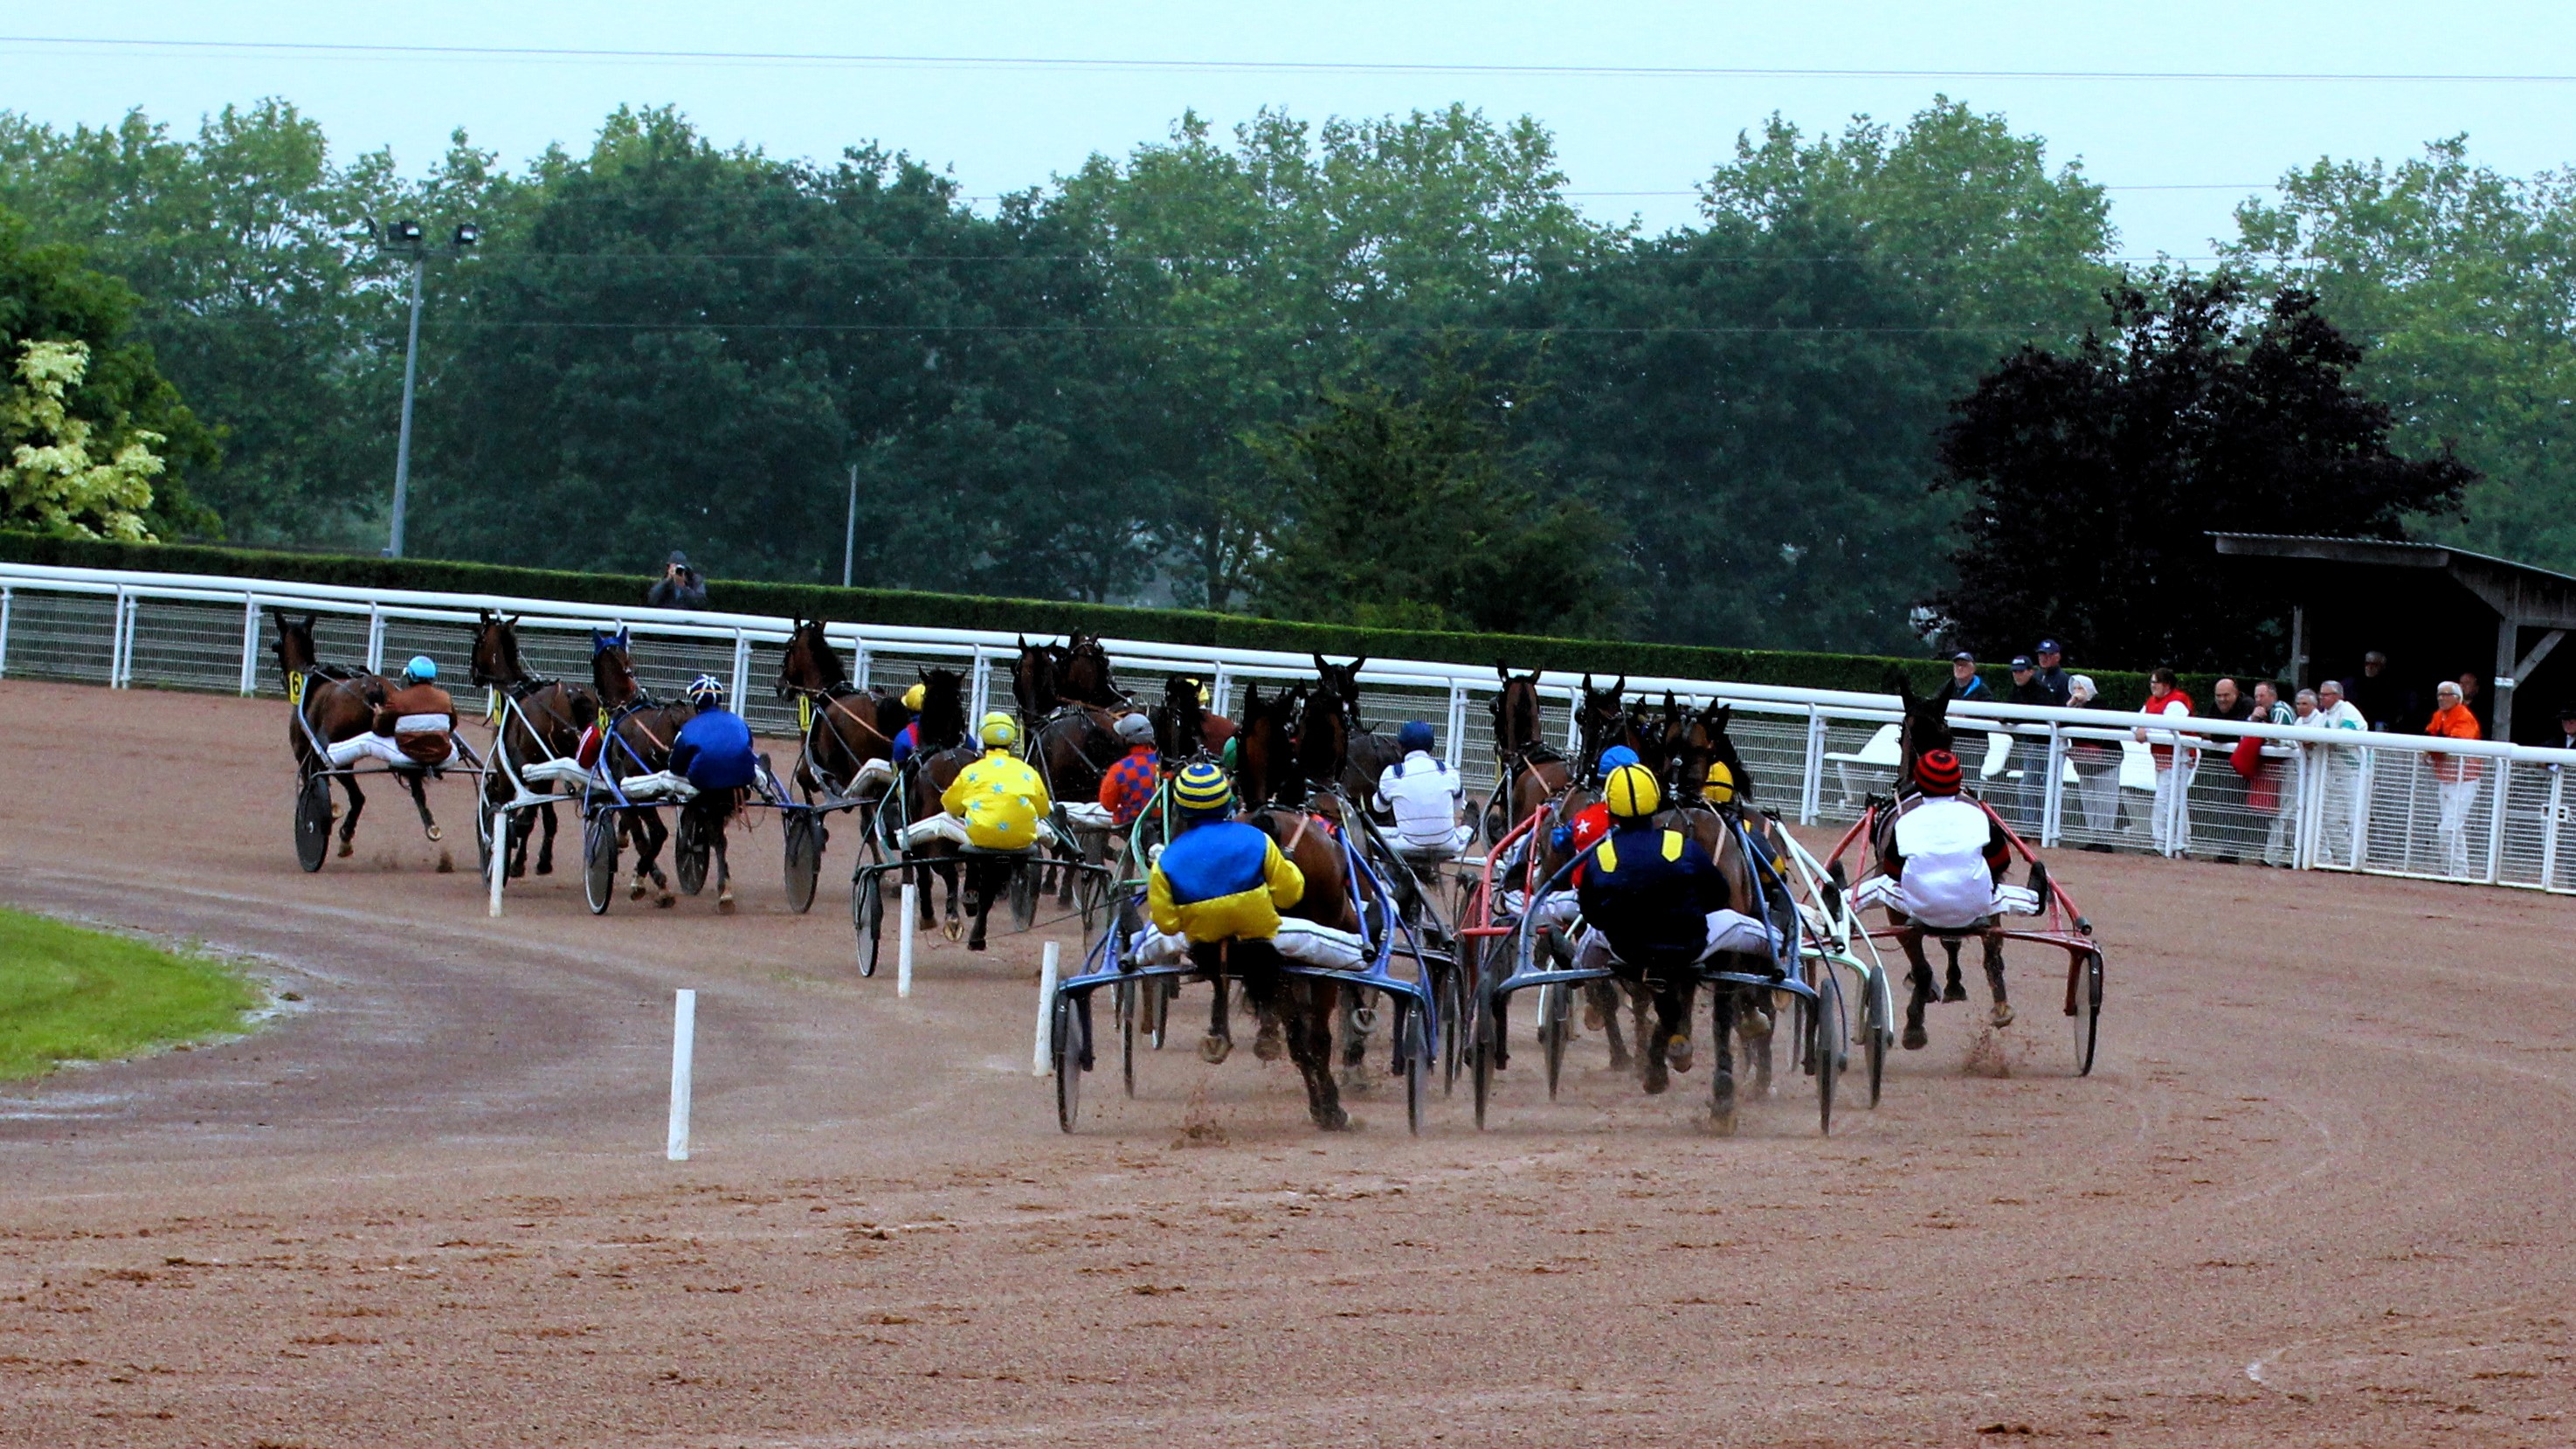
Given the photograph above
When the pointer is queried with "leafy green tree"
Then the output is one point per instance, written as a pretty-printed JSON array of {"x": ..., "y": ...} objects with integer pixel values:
[
  {"x": 2098, "y": 473},
  {"x": 1755, "y": 400},
  {"x": 92, "y": 437},
  {"x": 1416, "y": 511},
  {"x": 2462, "y": 284}
]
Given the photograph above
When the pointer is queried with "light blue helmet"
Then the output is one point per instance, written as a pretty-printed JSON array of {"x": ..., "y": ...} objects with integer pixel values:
[
  {"x": 421, "y": 670},
  {"x": 1615, "y": 756}
]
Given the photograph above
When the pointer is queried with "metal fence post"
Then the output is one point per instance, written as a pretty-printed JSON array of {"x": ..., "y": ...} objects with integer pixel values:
[
  {"x": 1811, "y": 782},
  {"x": 123, "y": 620},
  {"x": 5, "y": 597},
  {"x": 1220, "y": 690},
  {"x": 375, "y": 639},
  {"x": 2549, "y": 824},
  {"x": 1573, "y": 719},
  {"x": 2364, "y": 779},
  {"x": 250, "y": 642},
  {"x": 2304, "y": 828},
  {"x": 741, "y": 667},
  {"x": 2495, "y": 819},
  {"x": 1457, "y": 752},
  {"x": 863, "y": 662},
  {"x": 2052, "y": 800},
  {"x": 978, "y": 692}
]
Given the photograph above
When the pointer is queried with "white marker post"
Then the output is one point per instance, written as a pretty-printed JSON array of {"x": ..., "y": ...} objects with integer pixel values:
[
  {"x": 499, "y": 856},
  {"x": 1047, "y": 967},
  {"x": 903, "y": 946},
  {"x": 684, "y": 1031}
]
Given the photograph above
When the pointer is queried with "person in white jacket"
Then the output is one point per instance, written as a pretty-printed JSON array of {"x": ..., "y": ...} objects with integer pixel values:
[{"x": 2340, "y": 772}]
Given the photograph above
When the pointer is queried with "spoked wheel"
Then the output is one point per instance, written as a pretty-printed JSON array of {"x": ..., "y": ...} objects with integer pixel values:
[
  {"x": 1825, "y": 1049},
  {"x": 312, "y": 821},
  {"x": 1555, "y": 1024},
  {"x": 1067, "y": 1034},
  {"x": 1130, "y": 1007},
  {"x": 1453, "y": 1021},
  {"x": 1480, "y": 1052},
  {"x": 1413, "y": 1029},
  {"x": 867, "y": 916},
  {"x": 691, "y": 854},
  {"x": 486, "y": 818},
  {"x": 1024, "y": 895},
  {"x": 1879, "y": 1031},
  {"x": 1158, "y": 1008},
  {"x": 804, "y": 832},
  {"x": 2088, "y": 1011},
  {"x": 599, "y": 859}
]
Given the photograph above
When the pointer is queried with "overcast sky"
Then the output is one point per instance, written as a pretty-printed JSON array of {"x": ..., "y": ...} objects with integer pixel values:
[{"x": 2178, "y": 153}]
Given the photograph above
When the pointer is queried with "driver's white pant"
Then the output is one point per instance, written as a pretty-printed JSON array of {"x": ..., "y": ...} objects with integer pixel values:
[
  {"x": 952, "y": 830},
  {"x": 369, "y": 746},
  {"x": 1728, "y": 931},
  {"x": 1089, "y": 816}
]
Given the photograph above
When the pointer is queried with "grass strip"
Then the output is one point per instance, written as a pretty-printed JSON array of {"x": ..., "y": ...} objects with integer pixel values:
[{"x": 68, "y": 994}]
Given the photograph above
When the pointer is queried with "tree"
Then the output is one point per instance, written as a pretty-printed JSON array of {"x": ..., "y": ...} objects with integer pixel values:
[
  {"x": 2098, "y": 473},
  {"x": 1756, "y": 399},
  {"x": 92, "y": 438},
  {"x": 2462, "y": 285},
  {"x": 1415, "y": 511}
]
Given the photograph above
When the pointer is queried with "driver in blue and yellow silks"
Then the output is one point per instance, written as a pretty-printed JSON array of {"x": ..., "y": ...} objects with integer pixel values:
[{"x": 1222, "y": 879}]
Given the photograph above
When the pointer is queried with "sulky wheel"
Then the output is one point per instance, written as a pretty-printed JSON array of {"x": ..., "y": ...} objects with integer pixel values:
[
  {"x": 312, "y": 821},
  {"x": 1413, "y": 1029},
  {"x": 1555, "y": 1024},
  {"x": 1024, "y": 894},
  {"x": 1825, "y": 1048},
  {"x": 1453, "y": 1017},
  {"x": 599, "y": 859},
  {"x": 692, "y": 853},
  {"x": 487, "y": 822},
  {"x": 2087, "y": 1016},
  {"x": 804, "y": 832},
  {"x": 1067, "y": 1035},
  {"x": 1878, "y": 1030},
  {"x": 867, "y": 917},
  {"x": 1129, "y": 998},
  {"x": 1480, "y": 1050}
]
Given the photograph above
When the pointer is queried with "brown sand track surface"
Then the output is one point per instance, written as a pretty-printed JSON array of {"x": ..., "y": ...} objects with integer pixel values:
[{"x": 2318, "y": 1191}]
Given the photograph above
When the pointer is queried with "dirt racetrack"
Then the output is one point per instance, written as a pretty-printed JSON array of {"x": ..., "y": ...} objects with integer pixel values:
[{"x": 2317, "y": 1192}]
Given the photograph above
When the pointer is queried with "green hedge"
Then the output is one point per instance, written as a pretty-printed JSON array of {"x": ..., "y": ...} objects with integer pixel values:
[{"x": 624, "y": 594}]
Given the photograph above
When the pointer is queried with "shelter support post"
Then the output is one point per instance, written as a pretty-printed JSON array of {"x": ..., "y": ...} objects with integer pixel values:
[
  {"x": 2496, "y": 814},
  {"x": 2513, "y": 667},
  {"x": 2298, "y": 647}
]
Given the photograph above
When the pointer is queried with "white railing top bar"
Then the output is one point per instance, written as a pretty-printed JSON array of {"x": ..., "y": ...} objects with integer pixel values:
[{"x": 431, "y": 606}]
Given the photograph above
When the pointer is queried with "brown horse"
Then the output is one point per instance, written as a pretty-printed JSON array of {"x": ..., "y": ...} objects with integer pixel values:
[
  {"x": 1926, "y": 728},
  {"x": 337, "y": 701},
  {"x": 1725, "y": 829},
  {"x": 1531, "y": 771},
  {"x": 1083, "y": 675},
  {"x": 1265, "y": 750},
  {"x": 1365, "y": 753},
  {"x": 1184, "y": 728},
  {"x": 847, "y": 726},
  {"x": 1295, "y": 1011},
  {"x": 941, "y": 751},
  {"x": 641, "y": 733},
  {"x": 541, "y": 725}
]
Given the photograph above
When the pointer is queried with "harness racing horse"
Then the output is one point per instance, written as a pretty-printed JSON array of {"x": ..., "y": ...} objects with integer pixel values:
[
  {"x": 1184, "y": 729},
  {"x": 1083, "y": 676},
  {"x": 941, "y": 752},
  {"x": 847, "y": 727},
  {"x": 1366, "y": 754},
  {"x": 1927, "y": 728},
  {"x": 541, "y": 725},
  {"x": 1530, "y": 771},
  {"x": 1265, "y": 751},
  {"x": 339, "y": 703},
  {"x": 1727, "y": 830},
  {"x": 640, "y": 733}
]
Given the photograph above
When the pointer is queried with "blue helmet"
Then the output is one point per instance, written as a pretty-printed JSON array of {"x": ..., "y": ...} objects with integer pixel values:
[
  {"x": 1414, "y": 736},
  {"x": 1615, "y": 756},
  {"x": 421, "y": 670},
  {"x": 706, "y": 690}
]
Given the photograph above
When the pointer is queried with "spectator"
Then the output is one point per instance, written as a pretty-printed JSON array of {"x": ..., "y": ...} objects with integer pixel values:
[
  {"x": 1964, "y": 683},
  {"x": 2026, "y": 688},
  {"x": 2176, "y": 761},
  {"x": 2375, "y": 693},
  {"x": 2270, "y": 785},
  {"x": 680, "y": 587},
  {"x": 2022, "y": 801},
  {"x": 2052, "y": 673},
  {"x": 2228, "y": 797},
  {"x": 2097, "y": 768},
  {"x": 2566, "y": 727},
  {"x": 2341, "y": 771},
  {"x": 2455, "y": 777},
  {"x": 2472, "y": 697}
]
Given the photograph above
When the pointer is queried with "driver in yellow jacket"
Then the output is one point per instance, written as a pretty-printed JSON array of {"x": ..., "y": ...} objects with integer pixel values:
[{"x": 996, "y": 803}]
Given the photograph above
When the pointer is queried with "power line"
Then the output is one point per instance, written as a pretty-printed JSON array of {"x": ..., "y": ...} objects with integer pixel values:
[{"x": 1130, "y": 64}]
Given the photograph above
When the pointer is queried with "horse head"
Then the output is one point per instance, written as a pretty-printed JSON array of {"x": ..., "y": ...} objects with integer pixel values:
[
  {"x": 495, "y": 660},
  {"x": 1264, "y": 767},
  {"x": 612, "y": 668},
  {"x": 1604, "y": 713},
  {"x": 1323, "y": 735},
  {"x": 1342, "y": 683},
  {"x": 1926, "y": 726},
  {"x": 1706, "y": 742},
  {"x": 1083, "y": 674},
  {"x": 811, "y": 665},
  {"x": 295, "y": 651},
  {"x": 1516, "y": 713},
  {"x": 1180, "y": 725},
  {"x": 941, "y": 725},
  {"x": 1035, "y": 682}
]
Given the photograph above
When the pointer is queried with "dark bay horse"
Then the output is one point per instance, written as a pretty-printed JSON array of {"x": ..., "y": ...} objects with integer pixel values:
[
  {"x": 1265, "y": 750},
  {"x": 641, "y": 732},
  {"x": 1366, "y": 754},
  {"x": 540, "y": 725},
  {"x": 846, "y": 726},
  {"x": 1083, "y": 675},
  {"x": 1531, "y": 771},
  {"x": 1726, "y": 829},
  {"x": 941, "y": 751},
  {"x": 1184, "y": 727},
  {"x": 339, "y": 703}
]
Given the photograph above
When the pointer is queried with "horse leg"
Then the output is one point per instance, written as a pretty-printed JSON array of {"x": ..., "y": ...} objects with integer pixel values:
[
  {"x": 545, "y": 850},
  {"x": 1920, "y": 980},
  {"x": 2002, "y": 1015},
  {"x": 1601, "y": 1011},
  {"x": 983, "y": 882},
  {"x": 1953, "y": 988},
  {"x": 1721, "y": 1101},
  {"x": 952, "y": 922},
  {"x": 1659, "y": 1046},
  {"x": 417, "y": 782},
  {"x": 349, "y": 822},
  {"x": 1678, "y": 1051},
  {"x": 648, "y": 857},
  {"x": 1756, "y": 1011},
  {"x": 920, "y": 877},
  {"x": 1218, "y": 1044},
  {"x": 1637, "y": 999},
  {"x": 1358, "y": 1023},
  {"x": 724, "y": 873},
  {"x": 1309, "y": 1007}
]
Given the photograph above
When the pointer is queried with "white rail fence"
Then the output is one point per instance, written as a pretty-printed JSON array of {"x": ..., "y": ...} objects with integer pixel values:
[{"x": 2337, "y": 800}]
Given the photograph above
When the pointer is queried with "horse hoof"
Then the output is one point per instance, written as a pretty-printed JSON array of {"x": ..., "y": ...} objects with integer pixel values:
[
  {"x": 974, "y": 943},
  {"x": 1364, "y": 1019},
  {"x": 1214, "y": 1049},
  {"x": 2002, "y": 1014},
  {"x": 724, "y": 904},
  {"x": 1267, "y": 1045},
  {"x": 1955, "y": 991},
  {"x": 435, "y": 834},
  {"x": 1756, "y": 1025},
  {"x": 1678, "y": 1054},
  {"x": 635, "y": 892},
  {"x": 544, "y": 867},
  {"x": 1591, "y": 1017},
  {"x": 1721, "y": 1121},
  {"x": 347, "y": 849},
  {"x": 1336, "y": 1120},
  {"x": 952, "y": 929},
  {"x": 665, "y": 901},
  {"x": 1656, "y": 1080},
  {"x": 446, "y": 863},
  {"x": 1916, "y": 1038}
]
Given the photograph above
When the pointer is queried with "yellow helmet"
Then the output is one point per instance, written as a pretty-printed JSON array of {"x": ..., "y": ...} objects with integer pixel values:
[
  {"x": 1631, "y": 793},
  {"x": 1721, "y": 782},
  {"x": 998, "y": 732},
  {"x": 913, "y": 697}
]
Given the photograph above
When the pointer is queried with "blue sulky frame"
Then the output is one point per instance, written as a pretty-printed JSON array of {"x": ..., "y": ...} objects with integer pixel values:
[
  {"x": 1819, "y": 1003},
  {"x": 1386, "y": 940}
]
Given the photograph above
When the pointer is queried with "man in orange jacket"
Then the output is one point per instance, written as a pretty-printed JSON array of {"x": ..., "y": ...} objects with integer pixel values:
[{"x": 2455, "y": 777}]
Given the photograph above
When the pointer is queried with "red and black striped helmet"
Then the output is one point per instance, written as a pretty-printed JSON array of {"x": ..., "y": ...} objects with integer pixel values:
[{"x": 1937, "y": 772}]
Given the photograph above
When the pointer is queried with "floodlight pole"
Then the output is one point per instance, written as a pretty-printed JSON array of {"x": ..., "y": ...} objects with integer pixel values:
[{"x": 411, "y": 371}]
